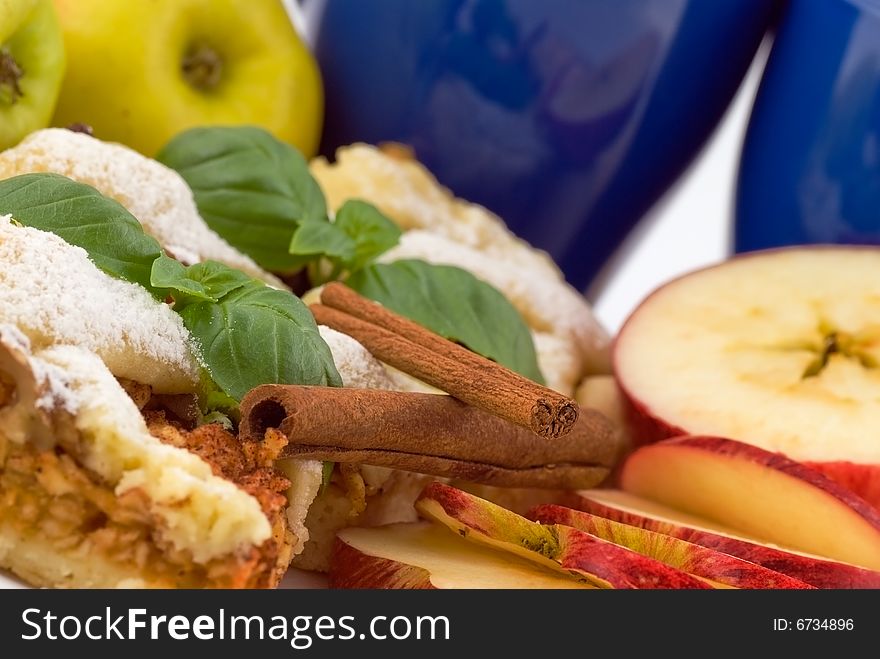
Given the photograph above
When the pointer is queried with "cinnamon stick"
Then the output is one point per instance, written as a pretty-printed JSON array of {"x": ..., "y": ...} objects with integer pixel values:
[
  {"x": 446, "y": 365},
  {"x": 427, "y": 433}
]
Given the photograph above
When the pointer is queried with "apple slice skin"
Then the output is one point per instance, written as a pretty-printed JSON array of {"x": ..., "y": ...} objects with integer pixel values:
[
  {"x": 645, "y": 427},
  {"x": 814, "y": 571},
  {"x": 689, "y": 557},
  {"x": 582, "y": 555},
  {"x": 639, "y": 466},
  {"x": 862, "y": 479},
  {"x": 363, "y": 571},
  {"x": 424, "y": 556}
]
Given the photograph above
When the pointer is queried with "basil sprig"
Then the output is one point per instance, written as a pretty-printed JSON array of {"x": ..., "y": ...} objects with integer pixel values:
[
  {"x": 357, "y": 236},
  {"x": 248, "y": 333},
  {"x": 257, "y": 192},
  {"x": 455, "y": 304}
]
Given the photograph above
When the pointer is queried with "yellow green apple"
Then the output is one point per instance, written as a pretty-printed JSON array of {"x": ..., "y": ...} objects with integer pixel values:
[
  {"x": 141, "y": 71},
  {"x": 31, "y": 67}
]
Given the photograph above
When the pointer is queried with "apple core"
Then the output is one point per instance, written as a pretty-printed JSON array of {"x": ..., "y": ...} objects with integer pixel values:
[
  {"x": 10, "y": 75},
  {"x": 841, "y": 343},
  {"x": 202, "y": 67}
]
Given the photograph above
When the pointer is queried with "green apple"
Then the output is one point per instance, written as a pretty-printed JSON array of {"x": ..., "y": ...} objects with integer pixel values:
[
  {"x": 141, "y": 71},
  {"x": 31, "y": 67}
]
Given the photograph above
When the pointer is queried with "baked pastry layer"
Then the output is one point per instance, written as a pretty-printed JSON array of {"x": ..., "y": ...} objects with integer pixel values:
[{"x": 90, "y": 496}]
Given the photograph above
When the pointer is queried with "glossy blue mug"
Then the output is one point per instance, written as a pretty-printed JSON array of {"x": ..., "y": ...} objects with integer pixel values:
[
  {"x": 569, "y": 118},
  {"x": 810, "y": 169}
]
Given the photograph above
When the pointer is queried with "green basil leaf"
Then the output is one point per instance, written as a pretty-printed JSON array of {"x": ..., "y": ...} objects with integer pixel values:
[
  {"x": 170, "y": 274},
  {"x": 251, "y": 188},
  {"x": 215, "y": 400},
  {"x": 259, "y": 335},
  {"x": 218, "y": 279},
  {"x": 455, "y": 304},
  {"x": 359, "y": 234},
  {"x": 326, "y": 475},
  {"x": 209, "y": 280},
  {"x": 372, "y": 233},
  {"x": 315, "y": 239},
  {"x": 217, "y": 416},
  {"x": 82, "y": 216}
]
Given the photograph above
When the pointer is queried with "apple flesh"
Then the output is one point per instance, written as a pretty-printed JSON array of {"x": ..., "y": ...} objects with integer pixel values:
[
  {"x": 780, "y": 349},
  {"x": 31, "y": 67},
  {"x": 629, "y": 509},
  {"x": 717, "y": 567},
  {"x": 600, "y": 563},
  {"x": 759, "y": 494},
  {"x": 422, "y": 556}
]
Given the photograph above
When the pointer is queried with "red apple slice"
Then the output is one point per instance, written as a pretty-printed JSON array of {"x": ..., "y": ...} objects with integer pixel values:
[
  {"x": 699, "y": 561},
  {"x": 779, "y": 349},
  {"x": 601, "y": 563},
  {"x": 422, "y": 556},
  {"x": 629, "y": 509},
  {"x": 760, "y": 494}
]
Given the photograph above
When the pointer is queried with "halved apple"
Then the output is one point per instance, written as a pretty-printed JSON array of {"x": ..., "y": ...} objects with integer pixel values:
[
  {"x": 626, "y": 508},
  {"x": 760, "y": 494},
  {"x": 780, "y": 349},
  {"x": 423, "y": 556},
  {"x": 580, "y": 554},
  {"x": 717, "y": 567}
]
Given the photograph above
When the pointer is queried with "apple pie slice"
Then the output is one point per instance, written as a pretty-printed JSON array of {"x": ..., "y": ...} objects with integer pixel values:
[{"x": 90, "y": 498}]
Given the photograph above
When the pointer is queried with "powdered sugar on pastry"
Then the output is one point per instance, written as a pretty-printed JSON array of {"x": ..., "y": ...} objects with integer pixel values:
[
  {"x": 54, "y": 294},
  {"x": 156, "y": 195},
  {"x": 357, "y": 367}
]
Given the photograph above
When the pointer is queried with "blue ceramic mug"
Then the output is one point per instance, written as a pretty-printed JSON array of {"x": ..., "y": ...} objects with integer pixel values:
[
  {"x": 568, "y": 118},
  {"x": 810, "y": 169}
]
